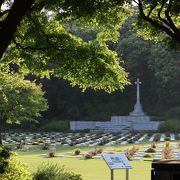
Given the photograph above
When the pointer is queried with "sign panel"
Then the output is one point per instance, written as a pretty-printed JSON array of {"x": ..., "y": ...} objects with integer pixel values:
[{"x": 117, "y": 161}]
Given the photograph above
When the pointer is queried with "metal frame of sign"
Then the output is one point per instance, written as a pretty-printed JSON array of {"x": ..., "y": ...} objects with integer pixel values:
[{"x": 117, "y": 161}]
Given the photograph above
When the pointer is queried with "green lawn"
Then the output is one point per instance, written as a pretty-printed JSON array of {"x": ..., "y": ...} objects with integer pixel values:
[{"x": 92, "y": 169}]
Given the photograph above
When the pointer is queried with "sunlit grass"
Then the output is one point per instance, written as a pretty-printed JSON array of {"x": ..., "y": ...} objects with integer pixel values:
[{"x": 93, "y": 169}]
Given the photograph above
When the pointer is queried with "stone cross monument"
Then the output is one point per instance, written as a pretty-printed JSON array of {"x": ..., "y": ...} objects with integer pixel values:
[
  {"x": 137, "y": 107},
  {"x": 137, "y": 120}
]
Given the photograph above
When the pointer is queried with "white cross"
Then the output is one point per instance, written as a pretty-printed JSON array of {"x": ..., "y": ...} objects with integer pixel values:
[{"x": 138, "y": 90}]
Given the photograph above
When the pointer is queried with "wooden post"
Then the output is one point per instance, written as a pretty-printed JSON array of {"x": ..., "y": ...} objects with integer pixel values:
[
  {"x": 127, "y": 174},
  {"x": 112, "y": 174}
]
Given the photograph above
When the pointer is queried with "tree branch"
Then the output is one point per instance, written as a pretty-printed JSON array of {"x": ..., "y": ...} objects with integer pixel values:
[
  {"x": 154, "y": 22},
  {"x": 9, "y": 26},
  {"x": 171, "y": 24},
  {"x": 40, "y": 29},
  {"x": 135, "y": 2},
  {"x": 3, "y": 13},
  {"x": 55, "y": 47},
  {"x": 151, "y": 9},
  {"x": 159, "y": 13}
]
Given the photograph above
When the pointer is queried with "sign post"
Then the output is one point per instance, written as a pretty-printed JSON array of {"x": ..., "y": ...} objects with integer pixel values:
[
  {"x": 112, "y": 174},
  {"x": 117, "y": 161},
  {"x": 127, "y": 174}
]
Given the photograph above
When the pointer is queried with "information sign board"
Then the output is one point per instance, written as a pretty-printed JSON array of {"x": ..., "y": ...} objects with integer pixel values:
[{"x": 117, "y": 161}]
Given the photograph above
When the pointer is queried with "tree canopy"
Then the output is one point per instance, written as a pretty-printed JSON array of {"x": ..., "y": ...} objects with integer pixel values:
[
  {"x": 20, "y": 100},
  {"x": 42, "y": 45},
  {"x": 38, "y": 40}
]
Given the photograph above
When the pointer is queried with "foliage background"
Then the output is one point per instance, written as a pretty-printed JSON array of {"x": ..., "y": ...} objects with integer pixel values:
[{"x": 156, "y": 65}]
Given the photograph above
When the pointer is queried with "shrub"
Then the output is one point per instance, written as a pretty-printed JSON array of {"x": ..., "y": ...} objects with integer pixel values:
[
  {"x": 150, "y": 150},
  {"x": 93, "y": 152},
  {"x": 167, "y": 144},
  {"x": 56, "y": 126},
  {"x": 167, "y": 153},
  {"x": 15, "y": 170},
  {"x": 77, "y": 151},
  {"x": 88, "y": 156},
  {"x": 131, "y": 152},
  {"x": 99, "y": 150},
  {"x": 51, "y": 154},
  {"x": 171, "y": 125},
  {"x": 54, "y": 172},
  {"x": 4, "y": 156},
  {"x": 11, "y": 168},
  {"x": 147, "y": 156}
]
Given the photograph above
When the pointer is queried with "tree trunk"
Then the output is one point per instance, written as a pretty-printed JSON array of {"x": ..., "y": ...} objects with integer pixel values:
[{"x": 9, "y": 25}]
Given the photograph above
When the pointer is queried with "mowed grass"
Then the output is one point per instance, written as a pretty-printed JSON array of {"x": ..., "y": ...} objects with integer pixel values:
[{"x": 92, "y": 169}]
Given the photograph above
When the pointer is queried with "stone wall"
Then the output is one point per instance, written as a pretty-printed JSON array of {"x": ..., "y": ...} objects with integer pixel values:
[
  {"x": 146, "y": 126},
  {"x": 117, "y": 124}
]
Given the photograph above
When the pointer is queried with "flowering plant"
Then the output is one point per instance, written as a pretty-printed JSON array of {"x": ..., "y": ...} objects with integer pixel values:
[
  {"x": 167, "y": 153},
  {"x": 131, "y": 152}
]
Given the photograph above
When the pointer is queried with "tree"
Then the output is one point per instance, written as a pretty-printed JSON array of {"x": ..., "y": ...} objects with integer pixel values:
[
  {"x": 166, "y": 68},
  {"x": 38, "y": 41},
  {"x": 20, "y": 100},
  {"x": 160, "y": 16},
  {"x": 41, "y": 44},
  {"x": 156, "y": 65}
]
